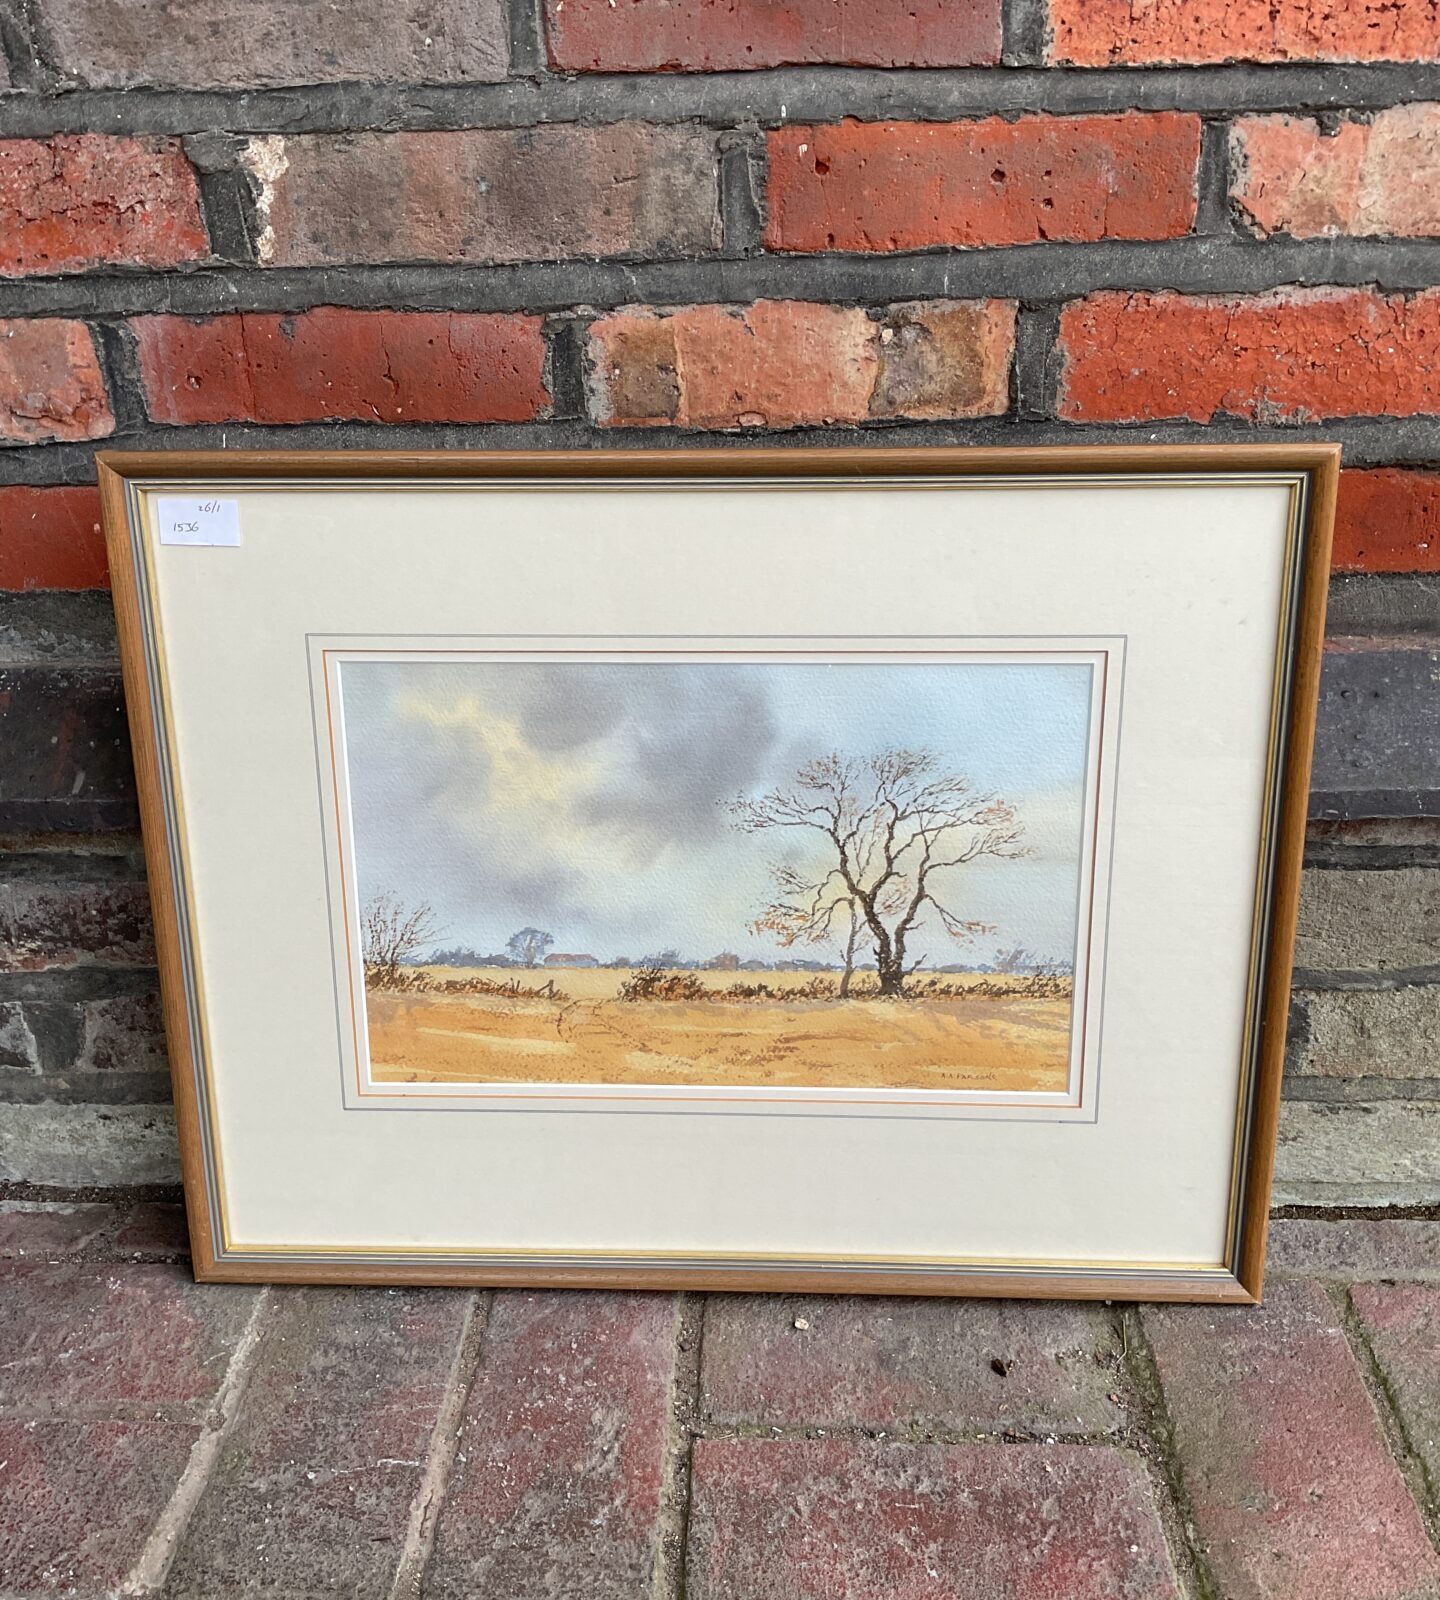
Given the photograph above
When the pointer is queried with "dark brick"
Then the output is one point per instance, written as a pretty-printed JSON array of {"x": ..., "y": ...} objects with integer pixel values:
[
  {"x": 539, "y": 194},
  {"x": 1369, "y": 921},
  {"x": 207, "y": 44},
  {"x": 558, "y": 1481},
  {"x": 1295, "y": 1495},
  {"x": 74, "y": 924},
  {"x": 19, "y": 1048},
  {"x": 878, "y": 1363},
  {"x": 773, "y": 1518},
  {"x": 78, "y": 1500},
  {"x": 73, "y": 1146},
  {"x": 313, "y": 1486},
  {"x": 1379, "y": 1033},
  {"x": 64, "y": 752},
  {"x": 1379, "y": 1153},
  {"x": 123, "y": 1034},
  {"x": 1402, "y": 1323},
  {"x": 129, "y": 1341},
  {"x": 56, "y": 627},
  {"x": 1377, "y": 748}
]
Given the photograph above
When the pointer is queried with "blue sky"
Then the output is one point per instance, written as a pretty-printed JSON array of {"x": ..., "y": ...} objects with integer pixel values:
[{"x": 588, "y": 798}]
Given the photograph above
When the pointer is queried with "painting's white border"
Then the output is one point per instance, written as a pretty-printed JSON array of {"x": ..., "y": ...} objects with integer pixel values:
[{"x": 1104, "y": 657}]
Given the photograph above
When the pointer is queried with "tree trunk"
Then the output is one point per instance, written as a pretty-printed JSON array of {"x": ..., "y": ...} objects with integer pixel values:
[
  {"x": 849, "y": 971},
  {"x": 892, "y": 980}
]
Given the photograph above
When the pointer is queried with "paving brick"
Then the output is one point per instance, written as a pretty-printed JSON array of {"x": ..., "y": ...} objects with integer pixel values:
[
  {"x": 312, "y": 1489},
  {"x": 73, "y": 1146},
  {"x": 786, "y": 363},
  {"x": 695, "y": 36},
  {"x": 1380, "y": 177},
  {"x": 481, "y": 195},
  {"x": 64, "y": 751},
  {"x": 1388, "y": 1247},
  {"x": 74, "y": 924},
  {"x": 118, "y": 1341},
  {"x": 771, "y": 1519},
  {"x": 367, "y": 366},
  {"x": 207, "y": 44},
  {"x": 1385, "y": 1153},
  {"x": 1102, "y": 33},
  {"x": 1402, "y": 1323},
  {"x": 86, "y": 200},
  {"x": 1369, "y": 921},
  {"x": 154, "y": 1228},
  {"x": 1388, "y": 520},
  {"x": 558, "y": 1480},
  {"x": 51, "y": 386},
  {"x": 36, "y": 1229},
  {"x": 51, "y": 538},
  {"x": 883, "y": 186},
  {"x": 78, "y": 1500},
  {"x": 880, "y": 1363},
  {"x": 1295, "y": 355},
  {"x": 1385, "y": 1033},
  {"x": 1295, "y": 1496}
]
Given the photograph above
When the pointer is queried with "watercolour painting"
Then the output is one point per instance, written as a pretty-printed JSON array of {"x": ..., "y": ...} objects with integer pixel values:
[{"x": 769, "y": 874}]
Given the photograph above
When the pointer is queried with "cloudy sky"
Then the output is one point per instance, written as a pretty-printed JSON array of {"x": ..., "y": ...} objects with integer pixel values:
[{"x": 588, "y": 799}]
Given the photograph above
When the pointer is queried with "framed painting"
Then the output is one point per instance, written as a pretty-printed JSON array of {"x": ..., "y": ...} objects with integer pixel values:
[{"x": 866, "y": 870}]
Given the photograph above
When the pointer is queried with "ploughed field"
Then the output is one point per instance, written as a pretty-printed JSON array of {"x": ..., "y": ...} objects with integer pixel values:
[{"x": 587, "y": 1035}]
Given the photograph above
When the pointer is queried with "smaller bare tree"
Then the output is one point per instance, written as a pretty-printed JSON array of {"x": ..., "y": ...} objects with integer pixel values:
[
  {"x": 392, "y": 934},
  {"x": 815, "y": 908}
]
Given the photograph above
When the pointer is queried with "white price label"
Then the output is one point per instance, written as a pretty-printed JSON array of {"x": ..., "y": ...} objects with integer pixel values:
[{"x": 207, "y": 521}]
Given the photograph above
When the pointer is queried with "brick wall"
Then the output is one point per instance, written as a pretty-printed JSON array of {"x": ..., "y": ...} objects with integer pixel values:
[{"x": 519, "y": 223}]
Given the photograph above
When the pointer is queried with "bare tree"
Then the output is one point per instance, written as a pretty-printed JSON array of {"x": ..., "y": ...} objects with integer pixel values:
[
  {"x": 896, "y": 828},
  {"x": 816, "y": 908},
  {"x": 392, "y": 934}
]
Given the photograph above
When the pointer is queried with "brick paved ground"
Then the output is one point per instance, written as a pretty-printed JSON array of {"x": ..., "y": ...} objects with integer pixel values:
[{"x": 162, "y": 1437}]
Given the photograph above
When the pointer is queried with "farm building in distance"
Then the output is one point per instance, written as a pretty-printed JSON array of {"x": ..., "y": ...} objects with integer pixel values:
[{"x": 563, "y": 958}]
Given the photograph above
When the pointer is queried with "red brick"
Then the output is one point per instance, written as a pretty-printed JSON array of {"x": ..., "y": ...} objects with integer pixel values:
[
  {"x": 700, "y": 36},
  {"x": 786, "y": 363},
  {"x": 773, "y": 1519},
  {"x": 208, "y": 44},
  {"x": 78, "y": 1500},
  {"x": 559, "y": 1475},
  {"x": 369, "y": 366},
  {"x": 1402, "y": 1323},
  {"x": 1102, "y": 33},
  {"x": 1294, "y": 1494},
  {"x": 491, "y": 195},
  {"x": 1377, "y": 178},
  {"x": 51, "y": 386},
  {"x": 45, "y": 925},
  {"x": 134, "y": 1340},
  {"x": 51, "y": 538},
  {"x": 1296, "y": 355},
  {"x": 312, "y": 1490},
  {"x": 1388, "y": 520},
  {"x": 917, "y": 185},
  {"x": 84, "y": 200},
  {"x": 981, "y": 1365}
]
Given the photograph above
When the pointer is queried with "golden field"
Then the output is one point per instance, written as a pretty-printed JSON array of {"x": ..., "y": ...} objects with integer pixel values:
[{"x": 985, "y": 1042}]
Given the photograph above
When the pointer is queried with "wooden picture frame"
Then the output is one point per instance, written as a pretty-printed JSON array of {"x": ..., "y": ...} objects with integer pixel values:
[{"x": 175, "y": 624}]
